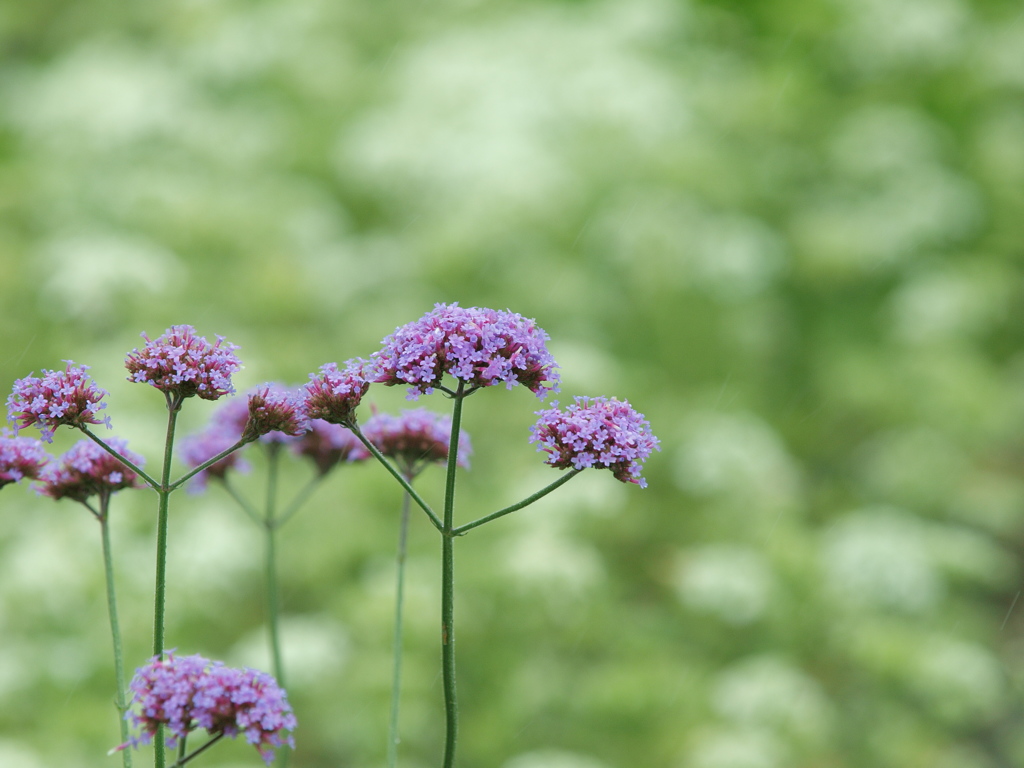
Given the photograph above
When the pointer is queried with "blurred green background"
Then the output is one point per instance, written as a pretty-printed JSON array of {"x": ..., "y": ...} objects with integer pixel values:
[{"x": 788, "y": 232}]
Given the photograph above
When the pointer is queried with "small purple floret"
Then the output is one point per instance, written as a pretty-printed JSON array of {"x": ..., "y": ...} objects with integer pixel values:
[
  {"x": 482, "y": 347},
  {"x": 88, "y": 470},
  {"x": 199, "y": 448},
  {"x": 415, "y": 438},
  {"x": 184, "y": 693},
  {"x": 333, "y": 395},
  {"x": 596, "y": 432},
  {"x": 21, "y": 458},
  {"x": 181, "y": 364},
  {"x": 58, "y": 397}
]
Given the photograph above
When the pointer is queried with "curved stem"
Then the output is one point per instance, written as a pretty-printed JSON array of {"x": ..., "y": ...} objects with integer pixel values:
[
  {"x": 208, "y": 463},
  {"x": 396, "y": 674},
  {"x": 133, "y": 467},
  {"x": 397, "y": 475},
  {"x": 451, "y": 707},
  {"x": 115, "y": 627},
  {"x": 518, "y": 505}
]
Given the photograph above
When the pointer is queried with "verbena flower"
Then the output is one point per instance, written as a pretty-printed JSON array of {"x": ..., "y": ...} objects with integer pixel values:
[
  {"x": 201, "y": 447},
  {"x": 415, "y": 438},
  {"x": 482, "y": 347},
  {"x": 87, "y": 470},
  {"x": 21, "y": 458},
  {"x": 333, "y": 395},
  {"x": 181, "y": 364},
  {"x": 58, "y": 397},
  {"x": 596, "y": 432},
  {"x": 327, "y": 445},
  {"x": 274, "y": 409},
  {"x": 189, "y": 692}
]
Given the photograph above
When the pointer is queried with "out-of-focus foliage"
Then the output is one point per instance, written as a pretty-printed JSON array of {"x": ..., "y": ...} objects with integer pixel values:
[{"x": 788, "y": 232}]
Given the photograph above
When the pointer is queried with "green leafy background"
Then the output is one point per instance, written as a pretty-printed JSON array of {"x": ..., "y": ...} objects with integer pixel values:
[{"x": 789, "y": 232}]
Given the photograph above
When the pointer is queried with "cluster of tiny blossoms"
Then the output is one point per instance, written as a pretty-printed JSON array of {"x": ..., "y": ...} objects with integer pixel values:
[
  {"x": 415, "y": 438},
  {"x": 21, "y": 458},
  {"x": 333, "y": 395},
  {"x": 596, "y": 432},
  {"x": 275, "y": 409},
  {"x": 482, "y": 347},
  {"x": 57, "y": 397},
  {"x": 181, "y": 364},
  {"x": 188, "y": 692},
  {"x": 87, "y": 470}
]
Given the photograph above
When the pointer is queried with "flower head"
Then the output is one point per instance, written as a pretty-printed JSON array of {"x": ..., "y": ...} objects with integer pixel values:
[
  {"x": 58, "y": 397},
  {"x": 181, "y": 364},
  {"x": 20, "y": 458},
  {"x": 275, "y": 409},
  {"x": 596, "y": 432},
  {"x": 333, "y": 395},
  {"x": 415, "y": 438},
  {"x": 188, "y": 692},
  {"x": 328, "y": 445},
  {"x": 88, "y": 470},
  {"x": 482, "y": 347}
]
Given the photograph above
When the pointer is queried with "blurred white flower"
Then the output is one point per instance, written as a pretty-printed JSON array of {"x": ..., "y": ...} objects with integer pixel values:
[
  {"x": 879, "y": 557},
  {"x": 314, "y": 648},
  {"x": 91, "y": 274},
  {"x": 15, "y": 754},
  {"x": 948, "y": 305},
  {"x": 737, "y": 455},
  {"x": 769, "y": 691},
  {"x": 736, "y": 748},
  {"x": 962, "y": 682},
  {"x": 732, "y": 582},
  {"x": 553, "y": 758},
  {"x": 479, "y": 115},
  {"x": 542, "y": 556}
]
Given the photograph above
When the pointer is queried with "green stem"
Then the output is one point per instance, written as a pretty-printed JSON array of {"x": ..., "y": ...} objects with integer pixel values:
[
  {"x": 398, "y": 476},
  {"x": 160, "y": 591},
  {"x": 518, "y": 505},
  {"x": 396, "y": 675},
  {"x": 241, "y": 501},
  {"x": 451, "y": 707},
  {"x": 115, "y": 627},
  {"x": 208, "y": 463},
  {"x": 184, "y": 759}
]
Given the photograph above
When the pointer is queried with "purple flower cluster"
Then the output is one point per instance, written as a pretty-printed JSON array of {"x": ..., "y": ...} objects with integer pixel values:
[
  {"x": 482, "y": 347},
  {"x": 57, "y": 397},
  {"x": 188, "y": 692},
  {"x": 275, "y": 409},
  {"x": 88, "y": 470},
  {"x": 415, "y": 438},
  {"x": 20, "y": 458},
  {"x": 596, "y": 432},
  {"x": 181, "y": 364},
  {"x": 328, "y": 445},
  {"x": 333, "y": 395}
]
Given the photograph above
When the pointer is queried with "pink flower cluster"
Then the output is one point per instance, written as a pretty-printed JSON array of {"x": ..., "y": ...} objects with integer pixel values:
[
  {"x": 596, "y": 432},
  {"x": 181, "y": 364},
  {"x": 57, "y": 397},
  {"x": 482, "y": 347},
  {"x": 333, "y": 395},
  {"x": 88, "y": 470},
  {"x": 275, "y": 409},
  {"x": 20, "y": 458},
  {"x": 328, "y": 445},
  {"x": 188, "y": 692},
  {"x": 415, "y": 438}
]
